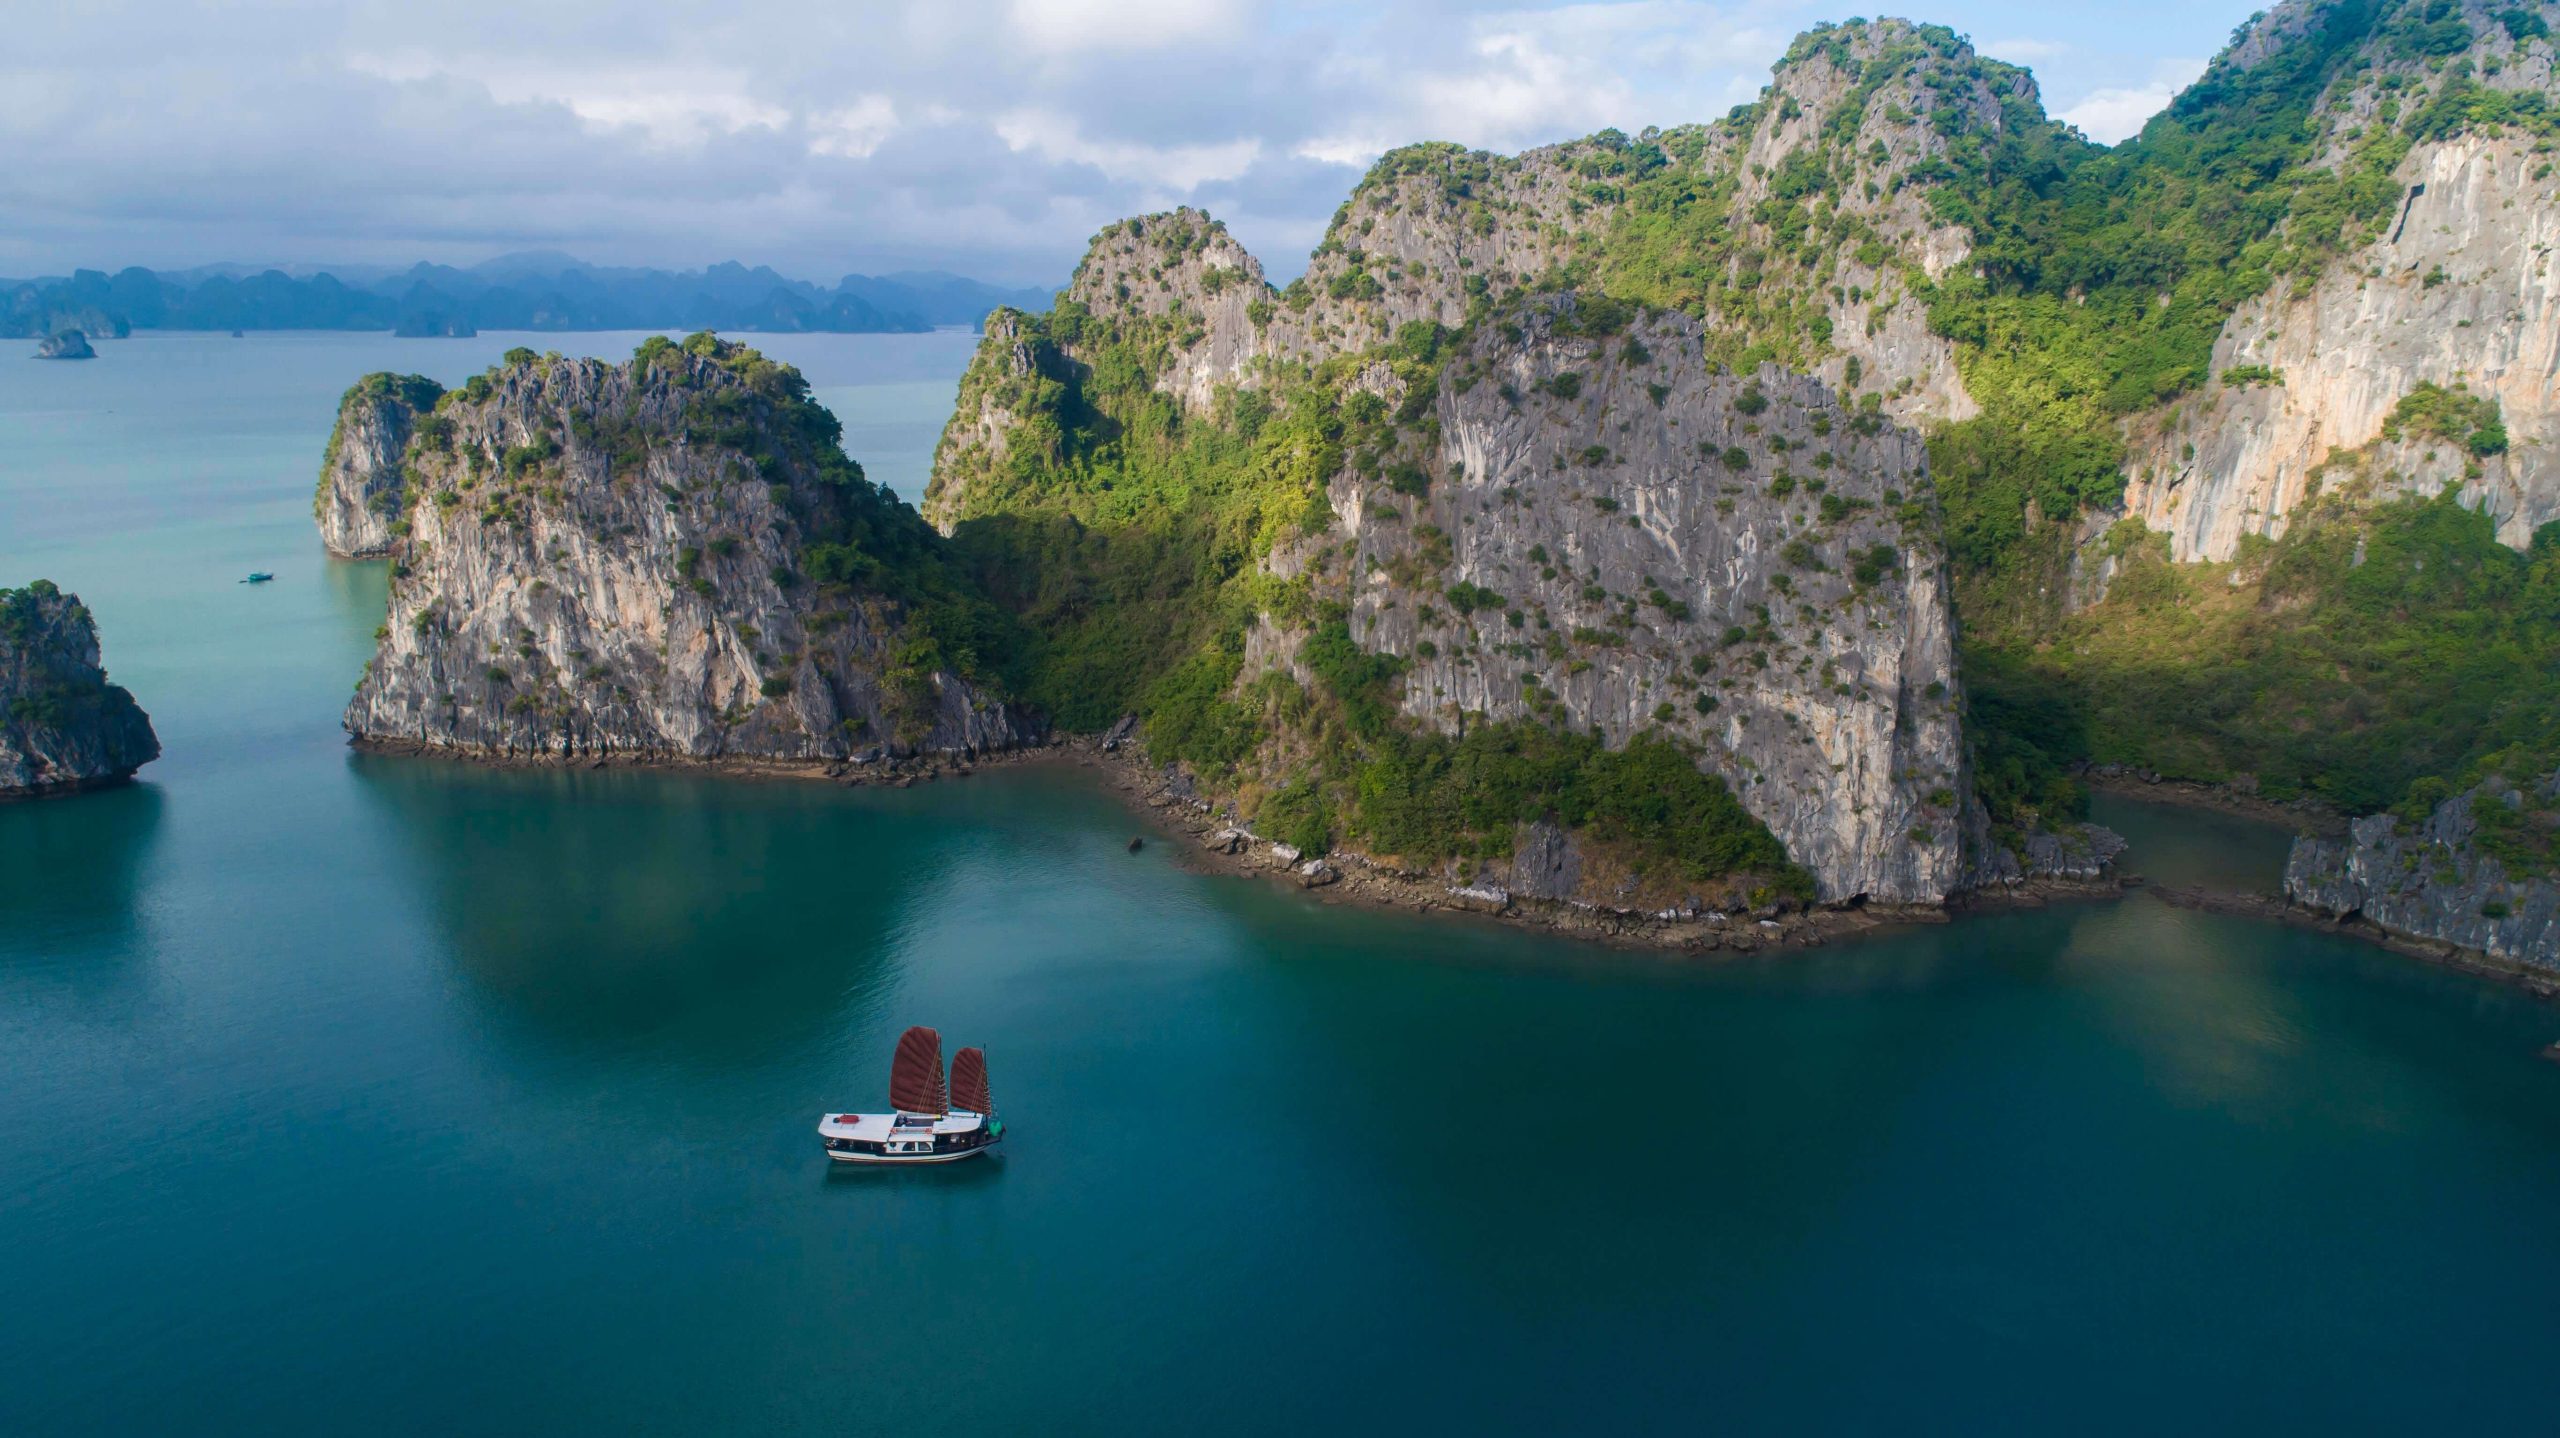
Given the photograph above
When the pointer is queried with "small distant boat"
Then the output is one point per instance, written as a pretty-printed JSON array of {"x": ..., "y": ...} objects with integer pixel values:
[
  {"x": 257, "y": 576},
  {"x": 930, "y": 1124}
]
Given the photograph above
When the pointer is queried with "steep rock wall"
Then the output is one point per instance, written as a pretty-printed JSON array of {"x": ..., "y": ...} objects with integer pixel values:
[
  {"x": 617, "y": 559},
  {"x": 362, "y": 482},
  {"x": 1184, "y": 268},
  {"x": 1847, "y": 744},
  {"x": 1433, "y": 231},
  {"x": 1624, "y": 538},
  {"x": 1428, "y": 229},
  {"x": 2461, "y": 292}
]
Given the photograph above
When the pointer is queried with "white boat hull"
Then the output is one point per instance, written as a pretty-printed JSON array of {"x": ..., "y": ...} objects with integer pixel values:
[{"x": 840, "y": 1156}]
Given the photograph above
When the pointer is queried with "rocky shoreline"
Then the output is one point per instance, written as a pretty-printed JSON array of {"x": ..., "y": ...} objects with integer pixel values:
[
  {"x": 2540, "y": 983},
  {"x": 1209, "y": 842},
  {"x": 2323, "y": 892},
  {"x": 1336, "y": 878},
  {"x": 894, "y": 773},
  {"x": 1216, "y": 843}
]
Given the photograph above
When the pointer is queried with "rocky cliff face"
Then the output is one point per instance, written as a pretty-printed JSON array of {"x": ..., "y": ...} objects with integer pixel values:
[
  {"x": 664, "y": 558},
  {"x": 66, "y": 345},
  {"x": 1430, "y": 228},
  {"x": 2456, "y": 289},
  {"x": 2445, "y": 882},
  {"x": 1825, "y": 185},
  {"x": 1185, "y": 270},
  {"x": 1622, "y": 537},
  {"x": 1580, "y": 519},
  {"x": 1589, "y": 525},
  {"x": 2461, "y": 293},
  {"x": 1815, "y": 273},
  {"x": 362, "y": 498},
  {"x": 62, "y": 725}
]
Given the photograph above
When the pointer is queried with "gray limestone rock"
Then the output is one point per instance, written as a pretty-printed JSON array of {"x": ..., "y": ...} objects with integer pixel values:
[
  {"x": 1623, "y": 538},
  {"x": 2464, "y": 295},
  {"x": 62, "y": 725},
  {"x": 361, "y": 502},
  {"x": 2441, "y": 882},
  {"x": 663, "y": 558},
  {"x": 1545, "y": 862}
]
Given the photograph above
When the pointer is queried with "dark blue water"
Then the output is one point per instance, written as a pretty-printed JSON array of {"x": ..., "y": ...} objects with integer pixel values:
[{"x": 353, "y": 1094}]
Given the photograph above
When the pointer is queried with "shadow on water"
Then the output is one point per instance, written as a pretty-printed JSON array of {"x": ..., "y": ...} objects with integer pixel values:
[
  {"x": 732, "y": 921},
  {"x": 76, "y": 925},
  {"x": 1572, "y": 1111}
]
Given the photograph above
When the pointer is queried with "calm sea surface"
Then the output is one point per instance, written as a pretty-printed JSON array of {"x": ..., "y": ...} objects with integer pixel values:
[{"x": 342, "y": 1094}]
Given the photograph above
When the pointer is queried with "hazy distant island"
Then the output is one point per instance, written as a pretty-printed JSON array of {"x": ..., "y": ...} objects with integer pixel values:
[
  {"x": 530, "y": 291},
  {"x": 66, "y": 345}
]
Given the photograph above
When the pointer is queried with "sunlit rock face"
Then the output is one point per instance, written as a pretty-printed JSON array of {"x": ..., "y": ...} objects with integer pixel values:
[
  {"x": 1621, "y": 537},
  {"x": 2461, "y": 292},
  {"x": 363, "y": 485},
  {"x": 617, "y": 559}
]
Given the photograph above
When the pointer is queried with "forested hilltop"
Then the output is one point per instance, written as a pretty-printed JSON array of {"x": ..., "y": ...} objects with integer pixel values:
[{"x": 1559, "y": 476}]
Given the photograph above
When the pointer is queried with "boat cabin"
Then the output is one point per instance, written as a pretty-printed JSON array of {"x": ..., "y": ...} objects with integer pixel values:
[{"x": 906, "y": 1135}]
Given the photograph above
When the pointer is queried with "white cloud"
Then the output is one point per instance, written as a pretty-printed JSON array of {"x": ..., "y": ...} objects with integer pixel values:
[
  {"x": 670, "y": 105},
  {"x": 2110, "y": 116},
  {"x": 1515, "y": 78},
  {"x": 853, "y": 131},
  {"x": 976, "y": 134},
  {"x": 1356, "y": 151},
  {"x": 1172, "y": 169}
]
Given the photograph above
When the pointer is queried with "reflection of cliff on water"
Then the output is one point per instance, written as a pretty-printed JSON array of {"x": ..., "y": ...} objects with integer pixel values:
[
  {"x": 1663, "y": 1110},
  {"x": 359, "y": 593},
  {"x": 612, "y": 908},
  {"x": 70, "y": 886}
]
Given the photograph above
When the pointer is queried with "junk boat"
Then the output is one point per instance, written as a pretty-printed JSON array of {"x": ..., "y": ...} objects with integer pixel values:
[{"x": 930, "y": 1125}]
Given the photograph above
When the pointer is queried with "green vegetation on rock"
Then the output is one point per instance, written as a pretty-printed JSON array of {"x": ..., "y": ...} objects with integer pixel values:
[
  {"x": 2380, "y": 647},
  {"x": 1130, "y": 536},
  {"x": 2372, "y": 650}
]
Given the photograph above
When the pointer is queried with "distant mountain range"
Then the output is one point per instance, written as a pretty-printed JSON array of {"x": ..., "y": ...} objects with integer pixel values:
[{"x": 529, "y": 291}]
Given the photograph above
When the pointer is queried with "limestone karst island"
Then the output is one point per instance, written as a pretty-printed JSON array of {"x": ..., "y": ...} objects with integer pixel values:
[{"x": 1979, "y": 631}]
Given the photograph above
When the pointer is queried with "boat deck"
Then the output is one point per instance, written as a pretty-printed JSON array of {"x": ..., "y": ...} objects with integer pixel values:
[{"x": 878, "y": 1127}]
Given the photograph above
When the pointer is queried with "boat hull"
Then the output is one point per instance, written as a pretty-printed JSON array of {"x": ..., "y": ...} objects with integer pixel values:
[{"x": 892, "y": 1159}]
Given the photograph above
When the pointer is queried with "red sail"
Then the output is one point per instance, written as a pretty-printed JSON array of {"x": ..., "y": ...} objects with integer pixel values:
[
  {"x": 915, "y": 1075},
  {"x": 969, "y": 1082}
]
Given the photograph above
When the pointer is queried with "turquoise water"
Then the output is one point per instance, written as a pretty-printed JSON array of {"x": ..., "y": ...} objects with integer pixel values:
[{"x": 341, "y": 1093}]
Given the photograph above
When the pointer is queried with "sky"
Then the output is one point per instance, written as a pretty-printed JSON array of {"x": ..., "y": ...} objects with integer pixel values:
[{"x": 986, "y": 137}]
